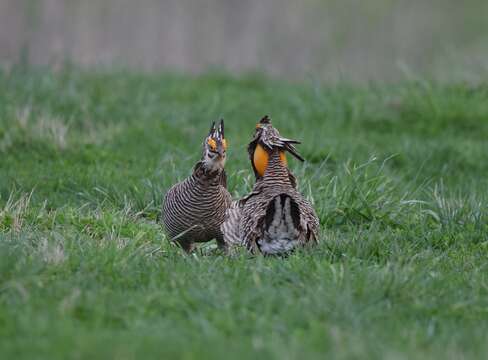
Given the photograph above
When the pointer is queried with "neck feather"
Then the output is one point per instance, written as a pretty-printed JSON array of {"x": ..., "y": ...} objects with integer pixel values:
[
  {"x": 204, "y": 172},
  {"x": 277, "y": 167}
]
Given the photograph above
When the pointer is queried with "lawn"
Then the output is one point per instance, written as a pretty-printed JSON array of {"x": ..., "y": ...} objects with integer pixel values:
[{"x": 398, "y": 174}]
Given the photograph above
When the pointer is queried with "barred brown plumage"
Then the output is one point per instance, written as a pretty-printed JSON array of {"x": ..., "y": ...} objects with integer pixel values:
[
  {"x": 274, "y": 218},
  {"x": 194, "y": 209}
]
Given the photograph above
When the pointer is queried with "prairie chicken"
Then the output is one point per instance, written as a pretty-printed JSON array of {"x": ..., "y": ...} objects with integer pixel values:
[
  {"x": 194, "y": 209},
  {"x": 274, "y": 218}
]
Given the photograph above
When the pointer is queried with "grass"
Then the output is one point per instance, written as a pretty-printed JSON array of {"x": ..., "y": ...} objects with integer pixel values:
[{"x": 398, "y": 175}]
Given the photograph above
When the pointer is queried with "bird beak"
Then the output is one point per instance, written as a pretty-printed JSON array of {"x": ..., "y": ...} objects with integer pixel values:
[{"x": 220, "y": 151}]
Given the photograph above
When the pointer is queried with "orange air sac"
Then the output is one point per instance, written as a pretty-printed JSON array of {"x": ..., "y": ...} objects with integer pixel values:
[{"x": 261, "y": 158}]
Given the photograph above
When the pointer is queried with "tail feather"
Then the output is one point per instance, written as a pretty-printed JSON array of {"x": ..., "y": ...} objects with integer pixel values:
[
  {"x": 293, "y": 215},
  {"x": 281, "y": 226}
]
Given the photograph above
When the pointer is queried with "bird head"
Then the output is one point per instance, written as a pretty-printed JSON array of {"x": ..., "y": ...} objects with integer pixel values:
[
  {"x": 266, "y": 140},
  {"x": 215, "y": 147}
]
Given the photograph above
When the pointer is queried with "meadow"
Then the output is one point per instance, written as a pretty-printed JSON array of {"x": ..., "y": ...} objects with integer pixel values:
[{"x": 397, "y": 173}]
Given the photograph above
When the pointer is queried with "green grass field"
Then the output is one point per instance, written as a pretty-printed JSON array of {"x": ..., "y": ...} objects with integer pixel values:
[{"x": 398, "y": 175}]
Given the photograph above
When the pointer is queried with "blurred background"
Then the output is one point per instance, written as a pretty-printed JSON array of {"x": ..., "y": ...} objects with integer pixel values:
[{"x": 332, "y": 40}]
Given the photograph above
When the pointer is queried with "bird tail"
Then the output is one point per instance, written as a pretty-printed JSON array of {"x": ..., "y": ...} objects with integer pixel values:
[{"x": 281, "y": 226}]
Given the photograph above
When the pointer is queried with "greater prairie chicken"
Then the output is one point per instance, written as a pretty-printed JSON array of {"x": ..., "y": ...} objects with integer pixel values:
[
  {"x": 274, "y": 218},
  {"x": 194, "y": 209}
]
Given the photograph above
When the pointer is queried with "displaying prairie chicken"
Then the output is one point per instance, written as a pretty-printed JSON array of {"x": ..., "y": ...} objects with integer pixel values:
[
  {"x": 274, "y": 218},
  {"x": 194, "y": 209}
]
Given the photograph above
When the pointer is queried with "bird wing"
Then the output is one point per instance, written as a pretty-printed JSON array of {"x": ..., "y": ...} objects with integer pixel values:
[{"x": 230, "y": 226}]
